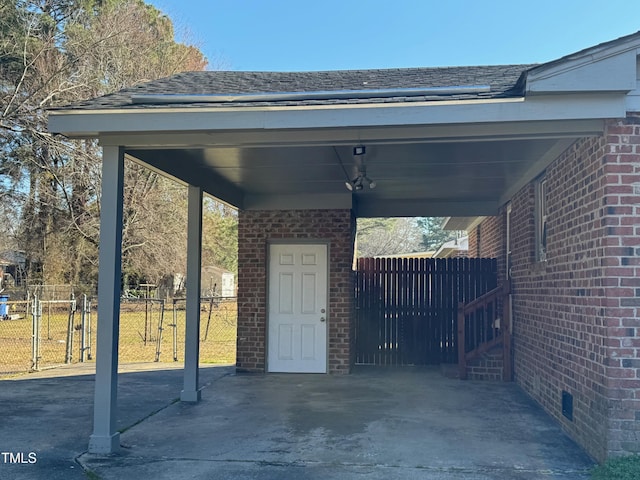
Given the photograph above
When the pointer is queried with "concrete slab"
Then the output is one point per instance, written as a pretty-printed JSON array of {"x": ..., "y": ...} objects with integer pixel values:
[
  {"x": 377, "y": 424},
  {"x": 49, "y": 414}
]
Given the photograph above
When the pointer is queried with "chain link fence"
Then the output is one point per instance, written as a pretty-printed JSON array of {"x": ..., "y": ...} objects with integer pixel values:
[
  {"x": 36, "y": 334},
  {"x": 16, "y": 334},
  {"x": 218, "y": 329}
]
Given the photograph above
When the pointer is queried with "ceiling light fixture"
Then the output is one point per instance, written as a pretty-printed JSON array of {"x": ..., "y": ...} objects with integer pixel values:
[{"x": 361, "y": 179}]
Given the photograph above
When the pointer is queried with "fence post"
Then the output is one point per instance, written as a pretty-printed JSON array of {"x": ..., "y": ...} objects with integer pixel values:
[
  {"x": 206, "y": 331},
  {"x": 72, "y": 310},
  {"x": 175, "y": 331},
  {"x": 462, "y": 360},
  {"x": 160, "y": 328},
  {"x": 89, "y": 331},
  {"x": 146, "y": 320},
  {"x": 27, "y": 307},
  {"x": 83, "y": 331},
  {"x": 36, "y": 312}
]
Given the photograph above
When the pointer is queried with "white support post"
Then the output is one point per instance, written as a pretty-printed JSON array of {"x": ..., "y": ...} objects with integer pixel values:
[
  {"x": 191, "y": 390},
  {"x": 105, "y": 438}
]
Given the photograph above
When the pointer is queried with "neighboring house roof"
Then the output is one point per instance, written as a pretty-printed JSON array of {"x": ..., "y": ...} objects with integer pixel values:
[
  {"x": 501, "y": 80},
  {"x": 12, "y": 257},
  {"x": 452, "y": 247},
  {"x": 212, "y": 269}
]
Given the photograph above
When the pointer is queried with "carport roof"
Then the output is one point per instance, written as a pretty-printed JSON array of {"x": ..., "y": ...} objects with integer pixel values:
[
  {"x": 398, "y": 85},
  {"x": 449, "y": 141}
]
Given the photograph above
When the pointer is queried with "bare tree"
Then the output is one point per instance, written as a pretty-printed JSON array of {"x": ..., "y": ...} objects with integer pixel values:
[
  {"x": 387, "y": 236},
  {"x": 54, "y": 52},
  {"x": 220, "y": 235}
]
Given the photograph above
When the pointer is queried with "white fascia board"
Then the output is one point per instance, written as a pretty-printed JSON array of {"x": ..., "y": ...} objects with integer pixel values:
[
  {"x": 79, "y": 124},
  {"x": 607, "y": 71}
]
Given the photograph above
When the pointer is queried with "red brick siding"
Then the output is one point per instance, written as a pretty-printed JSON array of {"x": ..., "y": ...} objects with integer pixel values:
[
  {"x": 255, "y": 229},
  {"x": 558, "y": 315},
  {"x": 621, "y": 284},
  {"x": 491, "y": 237},
  {"x": 575, "y": 316},
  {"x": 487, "y": 241},
  {"x": 474, "y": 236},
  {"x": 488, "y": 366}
]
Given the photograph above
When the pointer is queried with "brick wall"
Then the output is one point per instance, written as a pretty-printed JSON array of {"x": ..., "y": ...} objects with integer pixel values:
[
  {"x": 558, "y": 320},
  {"x": 621, "y": 283},
  {"x": 487, "y": 241},
  {"x": 488, "y": 366},
  {"x": 474, "y": 237},
  {"x": 255, "y": 228},
  {"x": 575, "y": 314}
]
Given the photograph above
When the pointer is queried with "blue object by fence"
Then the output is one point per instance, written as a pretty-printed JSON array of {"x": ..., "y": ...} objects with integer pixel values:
[{"x": 4, "y": 311}]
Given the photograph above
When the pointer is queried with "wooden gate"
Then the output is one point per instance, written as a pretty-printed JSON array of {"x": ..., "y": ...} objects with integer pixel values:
[{"x": 406, "y": 308}]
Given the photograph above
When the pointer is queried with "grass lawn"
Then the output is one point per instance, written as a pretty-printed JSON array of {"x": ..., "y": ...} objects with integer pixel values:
[{"x": 620, "y": 468}]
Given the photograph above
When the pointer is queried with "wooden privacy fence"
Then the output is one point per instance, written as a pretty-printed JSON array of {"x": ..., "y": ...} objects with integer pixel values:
[{"x": 407, "y": 308}]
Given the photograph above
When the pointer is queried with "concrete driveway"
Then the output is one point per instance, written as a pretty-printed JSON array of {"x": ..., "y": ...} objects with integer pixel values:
[
  {"x": 373, "y": 424},
  {"x": 50, "y": 413}
]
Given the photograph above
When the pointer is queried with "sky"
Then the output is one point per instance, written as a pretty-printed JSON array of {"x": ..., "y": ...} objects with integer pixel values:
[{"x": 305, "y": 35}]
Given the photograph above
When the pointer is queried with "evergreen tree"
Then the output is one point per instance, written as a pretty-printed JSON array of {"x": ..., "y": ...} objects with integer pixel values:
[{"x": 433, "y": 235}]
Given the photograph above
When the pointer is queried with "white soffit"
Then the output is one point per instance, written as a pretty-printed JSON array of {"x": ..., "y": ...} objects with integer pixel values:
[{"x": 298, "y": 202}]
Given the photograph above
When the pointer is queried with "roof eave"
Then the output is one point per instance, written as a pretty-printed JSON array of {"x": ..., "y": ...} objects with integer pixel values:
[{"x": 94, "y": 123}]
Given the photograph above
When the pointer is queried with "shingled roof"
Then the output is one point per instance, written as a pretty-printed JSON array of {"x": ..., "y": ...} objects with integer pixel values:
[{"x": 504, "y": 81}]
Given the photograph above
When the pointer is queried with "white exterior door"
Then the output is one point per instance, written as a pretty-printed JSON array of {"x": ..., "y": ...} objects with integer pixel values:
[{"x": 297, "y": 309}]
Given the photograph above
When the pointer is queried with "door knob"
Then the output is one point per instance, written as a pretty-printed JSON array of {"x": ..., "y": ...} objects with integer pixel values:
[{"x": 322, "y": 319}]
